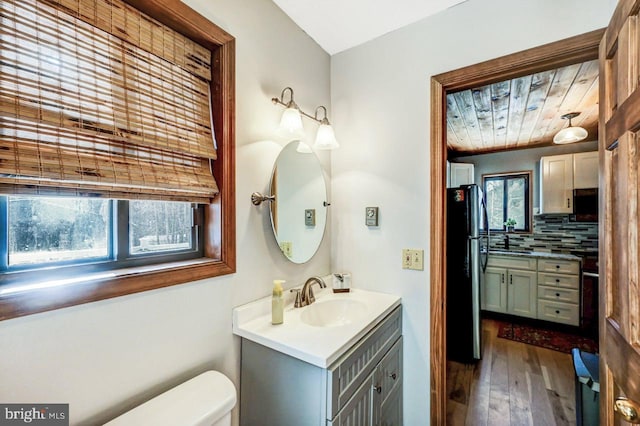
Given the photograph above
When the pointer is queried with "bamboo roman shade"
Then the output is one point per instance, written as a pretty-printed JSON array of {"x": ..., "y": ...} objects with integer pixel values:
[{"x": 97, "y": 98}]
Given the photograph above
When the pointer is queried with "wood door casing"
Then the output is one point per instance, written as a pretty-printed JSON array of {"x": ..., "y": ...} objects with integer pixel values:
[
  {"x": 618, "y": 164},
  {"x": 581, "y": 48}
]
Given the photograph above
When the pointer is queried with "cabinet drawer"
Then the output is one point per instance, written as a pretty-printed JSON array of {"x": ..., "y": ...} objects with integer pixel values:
[
  {"x": 512, "y": 262},
  {"x": 389, "y": 372},
  {"x": 559, "y": 294},
  {"x": 559, "y": 280},
  {"x": 346, "y": 375},
  {"x": 559, "y": 266},
  {"x": 566, "y": 313}
]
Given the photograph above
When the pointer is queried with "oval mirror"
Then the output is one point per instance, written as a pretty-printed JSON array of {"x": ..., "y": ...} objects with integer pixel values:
[{"x": 299, "y": 213}]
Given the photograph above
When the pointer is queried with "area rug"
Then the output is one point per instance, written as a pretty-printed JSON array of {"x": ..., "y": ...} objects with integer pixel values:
[{"x": 550, "y": 339}]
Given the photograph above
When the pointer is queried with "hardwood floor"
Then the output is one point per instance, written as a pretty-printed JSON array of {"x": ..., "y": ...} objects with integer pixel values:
[{"x": 514, "y": 384}]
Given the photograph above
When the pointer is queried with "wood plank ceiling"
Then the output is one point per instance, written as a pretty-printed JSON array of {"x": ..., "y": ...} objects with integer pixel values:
[{"x": 523, "y": 112}]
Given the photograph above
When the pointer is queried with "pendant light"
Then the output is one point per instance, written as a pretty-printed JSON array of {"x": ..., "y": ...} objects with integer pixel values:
[{"x": 570, "y": 134}]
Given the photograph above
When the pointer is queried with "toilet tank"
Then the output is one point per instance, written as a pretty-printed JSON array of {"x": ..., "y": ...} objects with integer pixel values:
[{"x": 205, "y": 400}]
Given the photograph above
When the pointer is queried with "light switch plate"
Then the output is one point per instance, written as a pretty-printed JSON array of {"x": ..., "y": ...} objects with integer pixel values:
[
  {"x": 371, "y": 216},
  {"x": 413, "y": 259},
  {"x": 310, "y": 217}
]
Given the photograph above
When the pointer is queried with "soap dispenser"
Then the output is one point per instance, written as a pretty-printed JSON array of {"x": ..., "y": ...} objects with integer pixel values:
[{"x": 277, "y": 303}]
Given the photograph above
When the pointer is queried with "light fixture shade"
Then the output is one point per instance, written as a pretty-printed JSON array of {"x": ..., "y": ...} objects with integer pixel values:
[
  {"x": 325, "y": 138},
  {"x": 291, "y": 125},
  {"x": 303, "y": 148},
  {"x": 570, "y": 135}
]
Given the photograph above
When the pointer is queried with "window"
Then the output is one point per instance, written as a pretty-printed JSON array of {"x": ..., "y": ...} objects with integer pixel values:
[
  {"x": 508, "y": 197},
  {"x": 116, "y": 150}
]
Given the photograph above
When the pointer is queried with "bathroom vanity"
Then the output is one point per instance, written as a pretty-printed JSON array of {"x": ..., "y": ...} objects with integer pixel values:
[{"x": 337, "y": 364}]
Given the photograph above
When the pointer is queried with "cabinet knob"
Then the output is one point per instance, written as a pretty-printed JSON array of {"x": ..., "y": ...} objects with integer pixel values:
[
  {"x": 557, "y": 294},
  {"x": 393, "y": 376},
  {"x": 557, "y": 266},
  {"x": 557, "y": 312},
  {"x": 378, "y": 389},
  {"x": 557, "y": 280}
]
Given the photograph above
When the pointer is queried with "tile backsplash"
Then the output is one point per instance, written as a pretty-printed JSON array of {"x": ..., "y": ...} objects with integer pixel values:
[{"x": 554, "y": 233}]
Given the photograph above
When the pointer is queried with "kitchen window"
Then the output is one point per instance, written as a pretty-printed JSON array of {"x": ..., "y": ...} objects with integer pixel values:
[
  {"x": 508, "y": 196},
  {"x": 116, "y": 150}
]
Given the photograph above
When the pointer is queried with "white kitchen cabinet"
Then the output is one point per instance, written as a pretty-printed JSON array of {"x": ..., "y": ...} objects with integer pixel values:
[
  {"x": 522, "y": 292},
  {"x": 494, "y": 290},
  {"x": 559, "y": 291},
  {"x": 460, "y": 174},
  {"x": 556, "y": 184},
  {"x": 585, "y": 170},
  {"x": 561, "y": 174},
  {"x": 510, "y": 286}
]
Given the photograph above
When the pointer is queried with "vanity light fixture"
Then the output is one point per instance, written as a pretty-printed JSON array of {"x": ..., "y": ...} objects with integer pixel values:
[
  {"x": 291, "y": 122},
  {"x": 570, "y": 134}
]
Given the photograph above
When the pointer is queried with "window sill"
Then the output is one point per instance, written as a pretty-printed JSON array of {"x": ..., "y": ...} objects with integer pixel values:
[{"x": 17, "y": 300}]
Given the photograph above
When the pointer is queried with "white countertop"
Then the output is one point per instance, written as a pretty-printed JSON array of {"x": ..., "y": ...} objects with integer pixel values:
[{"x": 320, "y": 346}]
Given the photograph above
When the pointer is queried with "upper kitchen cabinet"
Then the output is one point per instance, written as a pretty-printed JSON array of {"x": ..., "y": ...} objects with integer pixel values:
[
  {"x": 556, "y": 176},
  {"x": 585, "y": 170},
  {"x": 561, "y": 174},
  {"x": 459, "y": 174}
]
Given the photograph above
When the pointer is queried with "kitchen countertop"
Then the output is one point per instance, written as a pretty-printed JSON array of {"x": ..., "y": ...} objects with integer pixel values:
[
  {"x": 537, "y": 254},
  {"x": 320, "y": 346}
]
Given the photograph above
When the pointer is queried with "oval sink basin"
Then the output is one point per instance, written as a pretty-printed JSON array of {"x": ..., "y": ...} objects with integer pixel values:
[{"x": 333, "y": 313}]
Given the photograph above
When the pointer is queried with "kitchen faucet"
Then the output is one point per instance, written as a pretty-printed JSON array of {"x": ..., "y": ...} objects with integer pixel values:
[{"x": 305, "y": 296}]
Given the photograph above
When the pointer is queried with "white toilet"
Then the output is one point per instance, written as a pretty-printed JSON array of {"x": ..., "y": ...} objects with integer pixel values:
[{"x": 205, "y": 400}]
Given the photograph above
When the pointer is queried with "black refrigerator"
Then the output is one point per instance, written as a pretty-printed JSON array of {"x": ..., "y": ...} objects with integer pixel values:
[{"x": 466, "y": 261}]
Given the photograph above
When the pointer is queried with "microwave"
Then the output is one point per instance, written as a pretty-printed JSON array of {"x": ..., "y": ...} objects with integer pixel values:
[{"x": 585, "y": 204}]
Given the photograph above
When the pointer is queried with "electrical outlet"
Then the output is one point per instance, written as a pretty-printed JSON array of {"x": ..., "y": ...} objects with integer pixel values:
[
  {"x": 287, "y": 248},
  {"x": 413, "y": 259},
  {"x": 417, "y": 260}
]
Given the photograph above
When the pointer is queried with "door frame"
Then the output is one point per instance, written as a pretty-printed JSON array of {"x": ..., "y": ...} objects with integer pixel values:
[{"x": 569, "y": 51}]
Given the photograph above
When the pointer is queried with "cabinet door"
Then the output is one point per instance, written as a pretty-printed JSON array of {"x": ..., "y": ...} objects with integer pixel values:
[
  {"x": 494, "y": 290},
  {"x": 391, "y": 410},
  {"x": 358, "y": 411},
  {"x": 522, "y": 293},
  {"x": 557, "y": 184},
  {"x": 461, "y": 174},
  {"x": 585, "y": 170}
]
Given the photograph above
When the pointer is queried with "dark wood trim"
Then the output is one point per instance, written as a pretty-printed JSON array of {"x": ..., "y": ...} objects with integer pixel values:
[
  {"x": 573, "y": 50},
  {"x": 220, "y": 216}
]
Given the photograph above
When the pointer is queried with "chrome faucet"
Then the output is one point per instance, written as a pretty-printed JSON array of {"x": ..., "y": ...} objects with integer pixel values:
[{"x": 305, "y": 296}]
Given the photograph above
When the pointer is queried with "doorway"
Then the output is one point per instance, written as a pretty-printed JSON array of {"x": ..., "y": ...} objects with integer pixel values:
[{"x": 565, "y": 52}]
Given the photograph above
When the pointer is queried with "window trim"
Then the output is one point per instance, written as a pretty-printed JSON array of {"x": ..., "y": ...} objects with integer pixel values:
[
  {"x": 529, "y": 211},
  {"x": 219, "y": 217}
]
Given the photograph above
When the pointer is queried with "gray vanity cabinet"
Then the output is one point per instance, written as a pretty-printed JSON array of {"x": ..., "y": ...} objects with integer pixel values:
[{"x": 361, "y": 388}]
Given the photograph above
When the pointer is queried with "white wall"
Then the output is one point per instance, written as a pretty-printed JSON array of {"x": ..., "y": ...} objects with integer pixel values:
[
  {"x": 107, "y": 356},
  {"x": 380, "y": 99}
]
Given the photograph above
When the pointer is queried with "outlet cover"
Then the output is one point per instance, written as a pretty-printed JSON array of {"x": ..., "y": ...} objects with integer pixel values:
[
  {"x": 417, "y": 260},
  {"x": 287, "y": 248}
]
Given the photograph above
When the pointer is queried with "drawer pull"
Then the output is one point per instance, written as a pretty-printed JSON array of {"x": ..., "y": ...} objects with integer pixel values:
[
  {"x": 557, "y": 266},
  {"x": 557, "y": 280},
  {"x": 393, "y": 376},
  {"x": 557, "y": 312},
  {"x": 378, "y": 389},
  {"x": 557, "y": 294}
]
